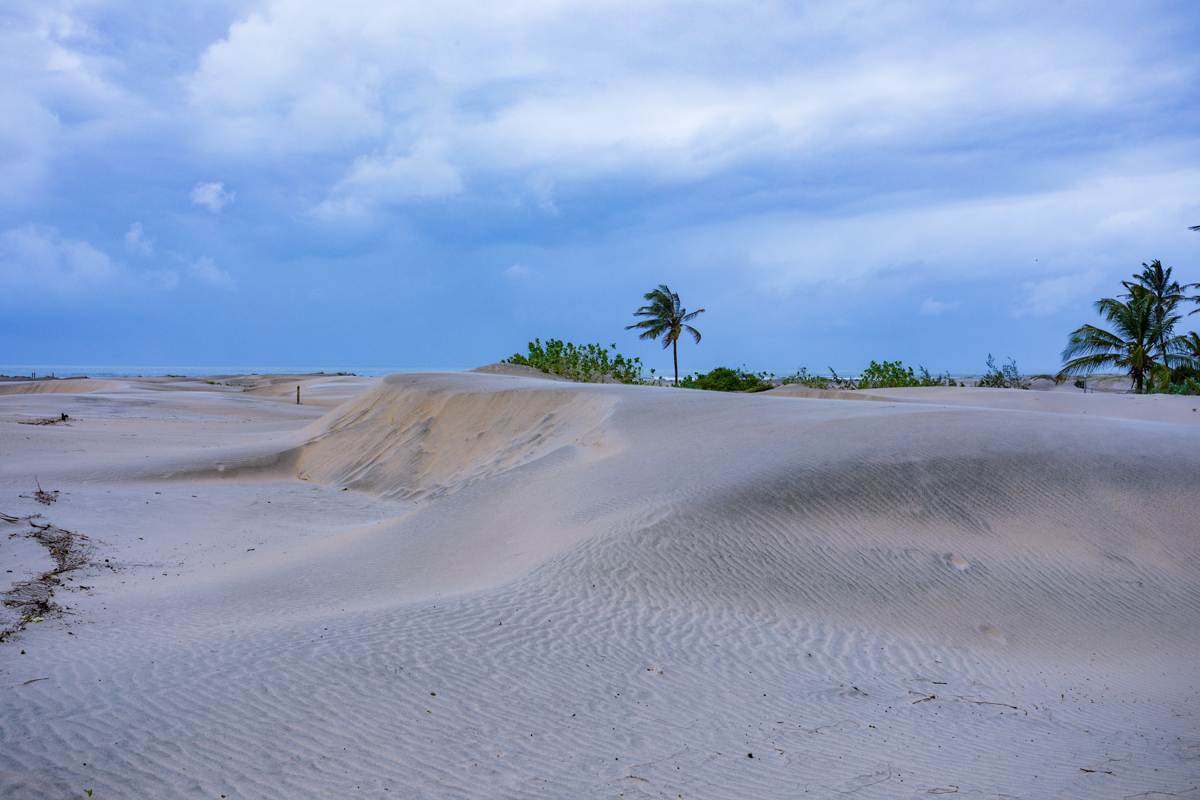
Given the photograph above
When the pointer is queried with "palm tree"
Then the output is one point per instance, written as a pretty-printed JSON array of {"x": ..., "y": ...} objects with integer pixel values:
[
  {"x": 1164, "y": 294},
  {"x": 664, "y": 315},
  {"x": 1130, "y": 346}
]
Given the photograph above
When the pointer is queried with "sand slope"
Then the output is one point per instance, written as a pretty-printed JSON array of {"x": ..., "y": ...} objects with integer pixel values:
[
  {"x": 481, "y": 585},
  {"x": 1150, "y": 408}
]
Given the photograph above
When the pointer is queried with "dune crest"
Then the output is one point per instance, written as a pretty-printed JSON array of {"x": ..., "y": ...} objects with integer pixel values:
[
  {"x": 71, "y": 386},
  {"x": 413, "y": 437}
]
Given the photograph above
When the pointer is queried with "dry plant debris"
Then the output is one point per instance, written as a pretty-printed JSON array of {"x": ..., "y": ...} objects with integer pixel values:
[
  {"x": 45, "y": 420},
  {"x": 34, "y": 598},
  {"x": 41, "y": 495}
]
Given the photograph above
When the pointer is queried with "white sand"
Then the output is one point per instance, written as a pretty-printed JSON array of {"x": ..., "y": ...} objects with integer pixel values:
[{"x": 478, "y": 585}]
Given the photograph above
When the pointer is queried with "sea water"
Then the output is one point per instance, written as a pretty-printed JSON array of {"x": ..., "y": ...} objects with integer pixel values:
[{"x": 100, "y": 371}]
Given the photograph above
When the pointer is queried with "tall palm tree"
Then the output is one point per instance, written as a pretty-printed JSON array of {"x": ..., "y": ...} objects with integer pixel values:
[
  {"x": 1164, "y": 294},
  {"x": 665, "y": 317},
  {"x": 1130, "y": 345}
]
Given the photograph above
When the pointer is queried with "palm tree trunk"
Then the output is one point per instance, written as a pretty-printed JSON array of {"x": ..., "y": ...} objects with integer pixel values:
[{"x": 675, "y": 353}]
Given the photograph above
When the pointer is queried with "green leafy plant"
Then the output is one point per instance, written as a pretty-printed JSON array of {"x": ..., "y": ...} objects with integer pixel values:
[
  {"x": 1005, "y": 377},
  {"x": 1187, "y": 386},
  {"x": 802, "y": 378},
  {"x": 589, "y": 363},
  {"x": 934, "y": 380},
  {"x": 887, "y": 375},
  {"x": 724, "y": 379}
]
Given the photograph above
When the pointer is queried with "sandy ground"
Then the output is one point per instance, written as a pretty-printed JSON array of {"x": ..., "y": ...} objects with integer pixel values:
[{"x": 482, "y": 585}]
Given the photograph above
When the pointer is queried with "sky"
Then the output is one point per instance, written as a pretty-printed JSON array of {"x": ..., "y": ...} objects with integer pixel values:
[{"x": 417, "y": 183}]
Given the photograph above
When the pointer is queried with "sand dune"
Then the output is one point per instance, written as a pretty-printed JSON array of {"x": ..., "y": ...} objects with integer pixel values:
[
  {"x": 481, "y": 585},
  {"x": 409, "y": 437},
  {"x": 70, "y": 386},
  {"x": 1173, "y": 409}
]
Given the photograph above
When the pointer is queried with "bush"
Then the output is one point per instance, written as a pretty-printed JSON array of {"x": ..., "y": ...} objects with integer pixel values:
[
  {"x": 876, "y": 376},
  {"x": 724, "y": 379},
  {"x": 589, "y": 363},
  {"x": 802, "y": 378},
  {"x": 887, "y": 375},
  {"x": 1187, "y": 386},
  {"x": 935, "y": 380},
  {"x": 1006, "y": 377}
]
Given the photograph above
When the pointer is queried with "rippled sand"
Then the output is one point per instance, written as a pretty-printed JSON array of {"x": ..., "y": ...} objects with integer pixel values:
[{"x": 479, "y": 585}]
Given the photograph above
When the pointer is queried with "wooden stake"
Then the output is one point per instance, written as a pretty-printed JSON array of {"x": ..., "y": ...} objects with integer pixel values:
[{"x": 297, "y": 395}]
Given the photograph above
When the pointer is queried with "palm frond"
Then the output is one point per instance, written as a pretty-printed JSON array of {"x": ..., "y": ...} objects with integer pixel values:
[{"x": 1090, "y": 339}]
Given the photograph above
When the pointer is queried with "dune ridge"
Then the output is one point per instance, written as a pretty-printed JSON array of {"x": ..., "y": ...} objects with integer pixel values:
[
  {"x": 64, "y": 386},
  {"x": 409, "y": 438}
]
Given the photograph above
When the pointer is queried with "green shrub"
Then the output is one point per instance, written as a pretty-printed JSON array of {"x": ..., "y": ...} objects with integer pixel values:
[
  {"x": 1005, "y": 377},
  {"x": 935, "y": 380},
  {"x": 724, "y": 379},
  {"x": 588, "y": 363},
  {"x": 887, "y": 375},
  {"x": 1187, "y": 386},
  {"x": 802, "y": 378}
]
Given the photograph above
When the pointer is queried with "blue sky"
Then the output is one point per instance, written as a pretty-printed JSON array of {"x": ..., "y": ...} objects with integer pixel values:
[{"x": 416, "y": 183}]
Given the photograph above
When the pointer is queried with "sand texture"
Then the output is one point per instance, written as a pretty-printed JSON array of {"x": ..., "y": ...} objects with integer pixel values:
[{"x": 481, "y": 585}]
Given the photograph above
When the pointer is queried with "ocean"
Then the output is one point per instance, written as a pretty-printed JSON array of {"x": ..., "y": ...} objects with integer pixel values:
[{"x": 102, "y": 371}]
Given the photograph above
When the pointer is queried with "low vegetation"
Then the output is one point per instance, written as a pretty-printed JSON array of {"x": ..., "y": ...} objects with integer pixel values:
[
  {"x": 887, "y": 375},
  {"x": 724, "y": 379},
  {"x": 892, "y": 374},
  {"x": 1142, "y": 342},
  {"x": 1005, "y": 377},
  {"x": 589, "y": 363}
]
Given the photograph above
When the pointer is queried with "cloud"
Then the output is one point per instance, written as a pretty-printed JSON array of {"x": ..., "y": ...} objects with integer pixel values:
[
  {"x": 558, "y": 93},
  {"x": 205, "y": 271},
  {"x": 58, "y": 96},
  {"x": 1049, "y": 295},
  {"x": 37, "y": 264},
  {"x": 212, "y": 196},
  {"x": 517, "y": 272},
  {"x": 136, "y": 241},
  {"x": 35, "y": 261},
  {"x": 934, "y": 308},
  {"x": 1021, "y": 237},
  {"x": 28, "y": 133},
  {"x": 811, "y": 161},
  {"x": 392, "y": 177}
]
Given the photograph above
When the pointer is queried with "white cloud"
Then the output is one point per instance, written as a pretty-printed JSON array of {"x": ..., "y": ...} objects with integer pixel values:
[
  {"x": 212, "y": 196},
  {"x": 36, "y": 261},
  {"x": 518, "y": 272},
  {"x": 423, "y": 172},
  {"x": 28, "y": 134},
  {"x": 136, "y": 241},
  {"x": 57, "y": 95},
  {"x": 1017, "y": 238},
  {"x": 1050, "y": 295},
  {"x": 934, "y": 308},
  {"x": 39, "y": 264},
  {"x": 204, "y": 270},
  {"x": 413, "y": 96}
]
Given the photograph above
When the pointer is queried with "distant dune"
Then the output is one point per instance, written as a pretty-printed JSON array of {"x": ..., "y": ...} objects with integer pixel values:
[{"x": 494, "y": 585}]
